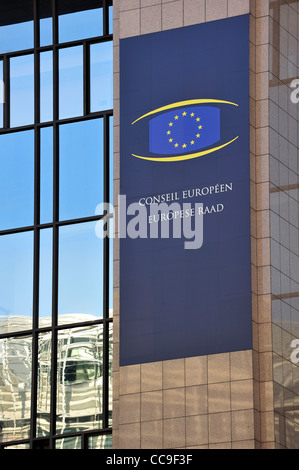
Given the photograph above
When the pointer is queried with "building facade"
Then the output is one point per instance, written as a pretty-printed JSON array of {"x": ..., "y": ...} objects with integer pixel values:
[{"x": 61, "y": 382}]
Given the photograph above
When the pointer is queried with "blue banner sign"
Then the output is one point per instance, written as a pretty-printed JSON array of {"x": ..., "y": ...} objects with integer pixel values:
[{"x": 184, "y": 206}]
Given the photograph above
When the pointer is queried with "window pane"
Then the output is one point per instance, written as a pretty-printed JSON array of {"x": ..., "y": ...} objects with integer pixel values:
[
  {"x": 101, "y": 73},
  {"x": 111, "y": 160},
  {"x": 22, "y": 90},
  {"x": 74, "y": 25},
  {"x": 45, "y": 25},
  {"x": 46, "y": 86},
  {"x": 111, "y": 19},
  {"x": 16, "y": 37},
  {"x": 80, "y": 290},
  {"x": 43, "y": 385},
  {"x": 45, "y": 278},
  {"x": 46, "y": 175},
  {"x": 81, "y": 168},
  {"x": 79, "y": 379},
  {"x": 103, "y": 441},
  {"x": 110, "y": 378},
  {"x": 16, "y": 180},
  {"x": 16, "y": 282},
  {"x": 15, "y": 388},
  {"x": 71, "y": 82},
  {"x": 68, "y": 443},
  {"x": 1, "y": 93}
]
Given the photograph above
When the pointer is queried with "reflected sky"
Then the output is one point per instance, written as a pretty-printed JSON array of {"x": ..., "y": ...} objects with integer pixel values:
[
  {"x": 101, "y": 72},
  {"x": 16, "y": 180},
  {"x": 80, "y": 274},
  {"x": 71, "y": 82},
  {"x": 46, "y": 32},
  {"x": 16, "y": 279},
  {"x": 45, "y": 276},
  {"x": 21, "y": 90},
  {"x": 16, "y": 37},
  {"x": 46, "y": 86},
  {"x": 80, "y": 25},
  {"x": 81, "y": 168},
  {"x": 1, "y": 93},
  {"x": 46, "y": 175}
]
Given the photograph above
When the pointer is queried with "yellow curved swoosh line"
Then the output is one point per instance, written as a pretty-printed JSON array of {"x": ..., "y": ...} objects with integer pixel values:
[
  {"x": 183, "y": 103},
  {"x": 180, "y": 158}
]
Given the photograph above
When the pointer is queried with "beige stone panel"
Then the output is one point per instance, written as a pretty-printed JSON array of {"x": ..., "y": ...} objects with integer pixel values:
[
  {"x": 147, "y": 3},
  {"x": 174, "y": 403},
  {"x": 216, "y": 9},
  {"x": 262, "y": 58},
  {"x": 262, "y": 141},
  {"x": 263, "y": 223},
  {"x": 242, "y": 425},
  {"x": 266, "y": 396},
  {"x": 151, "y": 406},
  {"x": 115, "y": 414},
  {"x": 151, "y": 376},
  {"x": 151, "y": 19},
  {"x": 267, "y": 426},
  {"x": 265, "y": 366},
  {"x": 264, "y": 308},
  {"x": 173, "y": 373},
  {"x": 254, "y": 279},
  {"x": 196, "y": 370},
  {"x": 243, "y": 444},
  {"x": 262, "y": 30},
  {"x": 261, "y": 8},
  {"x": 219, "y": 397},
  {"x": 129, "y": 408},
  {"x": 219, "y": 427},
  {"x": 174, "y": 433},
  {"x": 242, "y": 395},
  {"x": 265, "y": 337},
  {"x": 116, "y": 301},
  {"x": 115, "y": 356},
  {"x": 129, "y": 379},
  {"x": 196, "y": 400},
  {"x": 241, "y": 365},
  {"x": 194, "y": 12},
  {"x": 238, "y": 7},
  {"x": 262, "y": 168},
  {"x": 129, "y": 23},
  {"x": 128, "y": 4},
  {"x": 262, "y": 86},
  {"x": 263, "y": 252},
  {"x": 129, "y": 436},
  {"x": 264, "y": 280},
  {"x": 196, "y": 430},
  {"x": 152, "y": 435},
  {"x": 262, "y": 196},
  {"x": 218, "y": 368},
  {"x": 172, "y": 15}
]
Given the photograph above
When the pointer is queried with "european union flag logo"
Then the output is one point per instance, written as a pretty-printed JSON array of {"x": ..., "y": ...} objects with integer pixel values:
[{"x": 184, "y": 130}]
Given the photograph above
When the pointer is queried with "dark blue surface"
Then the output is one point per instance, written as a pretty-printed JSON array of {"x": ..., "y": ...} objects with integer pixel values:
[{"x": 176, "y": 302}]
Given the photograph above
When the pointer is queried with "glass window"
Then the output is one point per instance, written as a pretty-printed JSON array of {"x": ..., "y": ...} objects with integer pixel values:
[
  {"x": 80, "y": 276},
  {"x": 71, "y": 82},
  {"x": 104, "y": 441},
  {"x": 74, "y": 25},
  {"x": 45, "y": 25},
  {"x": 46, "y": 175},
  {"x": 16, "y": 37},
  {"x": 46, "y": 86},
  {"x": 16, "y": 180},
  {"x": 1, "y": 93},
  {"x": 68, "y": 443},
  {"x": 79, "y": 379},
  {"x": 45, "y": 278},
  {"x": 111, "y": 160},
  {"x": 44, "y": 384},
  {"x": 22, "y": 90},
  {"x": 80, "y": 168},
  {"x": 16, "y": 282},
  {"x": 111, "y": 19},
  {"x": 101, "y": 76},
  {"x": 15, "y": 388}
]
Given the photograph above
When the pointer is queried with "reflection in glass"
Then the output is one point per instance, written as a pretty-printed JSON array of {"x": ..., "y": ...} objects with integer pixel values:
[
  {"x": 45, "y": 277},
  {"x": 18, "y": 446},
  {"x": 104, "y": 441},
  {"x": 111, "y": 19},
  {"x": 110, "y": 375},
  {"x": 101, "y": 76},
  {"x": 111, "y": 270},
  {"x": 16, "y": 282},
  {"x": 21, "y": 90},
  {"x": 81, "y": 168},
  {"x": 80, "y": 24},
  {"x": 79, "y": 379},
  {"x": 15, "y": 388},
  {"x": 16, "y": 180},
  {"x": 1, "y": 93},
  {"x": 45, "y": 25},
  {"x": 80, "y": 296},
  {"x": 16, "y": 37},
  {"x": 111, "y": 160},
  {"x": 71, "y": 82},
  {"x": 46, "y": 86},
  {"x": 43, "y": 385},
  {"x": 46, "y": 175},
  {"x": 68, "y": 443}
]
